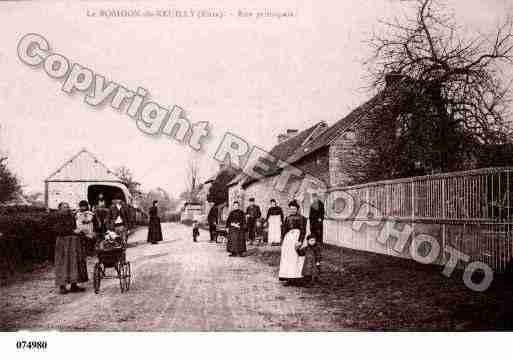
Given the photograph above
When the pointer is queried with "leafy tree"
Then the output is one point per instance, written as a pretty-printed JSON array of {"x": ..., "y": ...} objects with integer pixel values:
[
  {"x": 9, "y": 184},
  {"x": 35, "y": 199},
  {"x": 218, "y": 192}
]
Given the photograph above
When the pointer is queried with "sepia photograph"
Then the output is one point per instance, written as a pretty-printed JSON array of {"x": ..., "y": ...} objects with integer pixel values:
[{"x": 234, "y": 170}]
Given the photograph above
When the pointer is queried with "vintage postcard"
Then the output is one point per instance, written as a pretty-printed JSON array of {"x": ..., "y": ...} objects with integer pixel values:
[{"x": 236, "y": 166}]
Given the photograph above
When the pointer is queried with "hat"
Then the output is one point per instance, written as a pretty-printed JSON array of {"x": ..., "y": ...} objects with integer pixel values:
[{"x": 294, "y": 203}]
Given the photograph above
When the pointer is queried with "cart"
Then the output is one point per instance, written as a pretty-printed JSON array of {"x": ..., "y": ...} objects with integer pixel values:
[
  {"x": 112, "y": 254},
  {"x": 221, "y": 234}
]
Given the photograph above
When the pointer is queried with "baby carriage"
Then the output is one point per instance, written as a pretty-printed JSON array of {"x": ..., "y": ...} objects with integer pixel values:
[
  {"x": 111, "y": 252},
  {"x": 221, "y": 234}
]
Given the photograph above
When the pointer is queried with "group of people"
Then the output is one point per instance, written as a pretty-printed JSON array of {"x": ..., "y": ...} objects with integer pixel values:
[
  {"x": 300, "y": 254},
  {"x": 76, "y": 234}
]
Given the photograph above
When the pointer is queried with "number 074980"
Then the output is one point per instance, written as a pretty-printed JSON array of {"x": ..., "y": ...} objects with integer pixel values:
[{"x": 31, "y": 344}]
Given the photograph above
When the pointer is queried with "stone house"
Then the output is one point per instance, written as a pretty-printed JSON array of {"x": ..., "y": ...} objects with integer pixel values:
[
  {"x": 83, "y": 177},
  {"x": 320, "y": 152}
]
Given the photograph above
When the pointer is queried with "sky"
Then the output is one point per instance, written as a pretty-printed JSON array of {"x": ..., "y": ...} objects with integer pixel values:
[{"x": 254, "y": 78}]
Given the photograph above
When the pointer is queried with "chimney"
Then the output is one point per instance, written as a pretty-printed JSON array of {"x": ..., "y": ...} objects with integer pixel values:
[
  {"x": 282, "y": 137},
  {"x": 393, "y": 78},
  {"x": 285, "y": 136}
]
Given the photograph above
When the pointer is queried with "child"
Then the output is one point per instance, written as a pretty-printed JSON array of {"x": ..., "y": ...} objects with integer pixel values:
[
  {"x": 259, "y": 232},
  {"x": 195, "y": 231},
  {"x": 312, "y": 264},
  {"x": 84, "y": 222}
]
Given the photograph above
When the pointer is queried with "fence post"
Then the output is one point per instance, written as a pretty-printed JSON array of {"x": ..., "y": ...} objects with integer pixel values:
[
  {"x": 442, "y": 259},
  {"x": 412, "y": 209}
]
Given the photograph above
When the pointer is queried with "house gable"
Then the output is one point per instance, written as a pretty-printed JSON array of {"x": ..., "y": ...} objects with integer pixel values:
[{"x": 84, "y": 166}]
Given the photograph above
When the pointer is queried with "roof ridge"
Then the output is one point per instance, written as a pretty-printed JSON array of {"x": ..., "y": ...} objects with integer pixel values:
[
  {"x": 92, "y": 155},
  {"x": 294, "y": 136},
  {"x": 65, "y": 163},
  {"x": 317, "y": 126}
]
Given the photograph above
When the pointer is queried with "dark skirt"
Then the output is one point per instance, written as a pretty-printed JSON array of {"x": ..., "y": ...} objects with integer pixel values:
[
  {"x": 317, "y": 230},
  {"x": 70, "y": 260},
  {"x": 154, "y": 230},
  {"x": 236, "y": 241}
]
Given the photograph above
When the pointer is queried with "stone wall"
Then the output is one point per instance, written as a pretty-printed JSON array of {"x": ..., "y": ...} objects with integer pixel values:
[{"x": 341, "y": 148}]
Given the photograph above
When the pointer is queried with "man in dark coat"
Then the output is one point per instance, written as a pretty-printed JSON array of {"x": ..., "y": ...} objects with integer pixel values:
[
  {"x": 253, "y": 213},
  {"x": 316, "y": 218},
  {"x": 118, "y": 218},
  {"x": 212, "y": 222}
]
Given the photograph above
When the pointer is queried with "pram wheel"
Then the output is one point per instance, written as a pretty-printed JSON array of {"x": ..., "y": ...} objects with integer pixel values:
[
  {"x": 128, "y": 275},
  {"x": 97, "y": 277},
  {"x": 124, "y": 274}
]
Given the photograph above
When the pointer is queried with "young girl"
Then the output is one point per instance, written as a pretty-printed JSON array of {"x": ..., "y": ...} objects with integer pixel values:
[
  {"x": 195, "y": 231},
  {"x": 312, "y": 264}
]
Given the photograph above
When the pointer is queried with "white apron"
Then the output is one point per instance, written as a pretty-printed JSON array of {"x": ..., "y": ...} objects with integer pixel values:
[
  {"x": 84, "y": 221},
  {"x": 274, "y": 234},
  {"x": 291, "y": 264}
]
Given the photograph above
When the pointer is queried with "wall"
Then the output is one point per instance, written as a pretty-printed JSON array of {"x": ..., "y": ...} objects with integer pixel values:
[
  {"x": 316, "y": 164},
  {"x": 70, "y": 192},
  {"x": 74, "y": 192},
  {"x": 341, "y": 148}
]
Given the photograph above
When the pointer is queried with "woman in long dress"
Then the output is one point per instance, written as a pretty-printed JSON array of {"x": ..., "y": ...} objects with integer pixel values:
[
  {"x": 154, "y": 228},
  {"x": 294, "y": 229},
  {"x": 235, "y": 224},
  {"x": 275, "y": 222},
  {"x": 70, "y": 254}
]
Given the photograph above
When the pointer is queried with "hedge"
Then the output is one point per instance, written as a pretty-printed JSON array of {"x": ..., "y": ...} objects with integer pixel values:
[{"x": 26, "y": 239}]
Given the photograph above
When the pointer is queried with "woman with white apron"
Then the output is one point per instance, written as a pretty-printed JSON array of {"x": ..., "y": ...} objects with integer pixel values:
[
  {"x": 294, "y": 228},
  {"x": 275, "y": 223}
]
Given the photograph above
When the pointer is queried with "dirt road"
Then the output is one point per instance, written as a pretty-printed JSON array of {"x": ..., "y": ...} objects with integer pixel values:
[{"x": 176, "y": 285}]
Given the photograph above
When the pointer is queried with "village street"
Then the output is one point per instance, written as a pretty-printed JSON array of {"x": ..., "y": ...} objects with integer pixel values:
[
  {"x": 181, "y": 285},
  {"x": 176, "y": 285}
]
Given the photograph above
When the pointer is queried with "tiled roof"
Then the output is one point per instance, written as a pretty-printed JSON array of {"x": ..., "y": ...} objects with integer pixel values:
[
  {"x": 84, "y": 166},
  {"x": 369, "y": 109},
  {"x": 288, "y": 147},
  {"x": 284, "y": 150},
  {"x": 320, "y": 136}
]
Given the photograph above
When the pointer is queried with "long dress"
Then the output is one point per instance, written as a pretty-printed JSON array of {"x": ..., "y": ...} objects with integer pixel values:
[
  {"x": 70, "y": 254},
  {"x": 291, "y": 264},
  {"x": 154, "y": 228},
  {"x": 236, "y": 243},
  {"x": 275, "y": 221},
  {"x": 316, "y": 217}
]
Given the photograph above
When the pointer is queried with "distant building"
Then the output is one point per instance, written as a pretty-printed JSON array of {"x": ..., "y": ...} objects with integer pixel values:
[
  {"x": 83, "y": 177},
  {"x": 191, "y": 211}
]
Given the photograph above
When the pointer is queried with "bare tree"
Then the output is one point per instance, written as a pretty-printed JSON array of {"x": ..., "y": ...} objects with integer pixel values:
[
  {"x": 455, "y": 82},
  {"x": 192, "y": 178}
]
